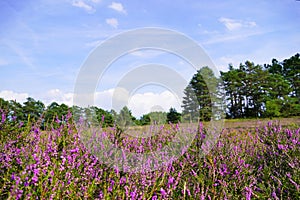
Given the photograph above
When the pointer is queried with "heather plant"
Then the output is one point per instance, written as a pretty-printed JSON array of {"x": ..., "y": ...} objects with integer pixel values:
[
  {"x": 56, "y": 163},
  {"x": 278, "y": 170}
]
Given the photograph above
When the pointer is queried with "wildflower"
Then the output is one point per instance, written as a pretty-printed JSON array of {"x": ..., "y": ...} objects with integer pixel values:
[
  {"x": 3, "y": 117},
  {"x": 171, "y": 181},
  {"x": 26, "y": 183},
  {"x": 21, "y": 124},
  {"x": 34, "y": 179},
  {"x": 19, "y": 193},
  {"x": 282, "y": 147},
  {"x": 163, "y": 192},
  {"x": 224, "y": 170},
  {"x": 76, "y": 150},
  {"x": 274, "y": 195},
  {"x": 133, "y": 194},
  {"x": 13, "y": 177},
  {"x": 188, "y": 191},
  {"x": 248, "y": 193},
  {"x": 294, "y": 141},
  {"x": 17, "y": 179},
  {"x": 122, "y": 180},
  {"x": 69, "y": 159},
  {"x": 154, "y": 197},
  {"x": 101, "y": 195}
]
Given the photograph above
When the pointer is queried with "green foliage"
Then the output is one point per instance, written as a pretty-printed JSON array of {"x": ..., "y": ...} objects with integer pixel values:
[
  {"x": 271, "y": 91},
  {"x": 158, "y": 117},
  {"x": 145, "y": 120},
  {"x": 33, "y": 109},
  {"x": 55, "y": 111},
  {"x": 290, "y": 107},
  {"x": 273, "y": 108},
  {"x": 190, "y": 106},
  {"x": 173, "y": 116},
  {"x": 200, "y": 96},
  {"x": 104, "y": 117},
  {"x": 291, "y": 71},
  {"x": 125, "y": 118}
]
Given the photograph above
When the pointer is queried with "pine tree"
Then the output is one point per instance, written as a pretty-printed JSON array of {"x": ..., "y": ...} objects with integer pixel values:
[
  {"x": 173, "y": 116},
  {"x": 201, "y": 96}
]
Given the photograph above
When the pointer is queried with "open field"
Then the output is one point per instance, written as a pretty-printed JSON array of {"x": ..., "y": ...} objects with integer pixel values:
[
  {"x": 253, "y": 123},
  {"x": 244, "y": 163},
  {"x": 228, "y": 124}
]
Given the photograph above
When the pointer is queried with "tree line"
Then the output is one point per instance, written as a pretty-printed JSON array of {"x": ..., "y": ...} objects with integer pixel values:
[
  {"x": 35, "y": 111},
  {"x": 247, "y": 91}
]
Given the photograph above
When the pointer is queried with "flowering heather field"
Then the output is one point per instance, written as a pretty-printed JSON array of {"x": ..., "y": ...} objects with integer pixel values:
[{"x": 261, "y": 163}]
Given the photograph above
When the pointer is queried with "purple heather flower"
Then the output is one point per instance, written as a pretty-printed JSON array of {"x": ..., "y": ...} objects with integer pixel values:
[
  {"x": 19, "y": 194},
  {"x": 223, "y": 170},
  {"x": 17, "y": 179},
  {"x": 101, "y": 195},
  {"x": 154, "y": 197},
  {"x": 21, "y": 124},
  {"x": 163, "y": 192},
  {"x": 274, "y": 195},
  {"x": 282, "y": 147},
  {"x": 3, "y": 117},
  {"x": 76, "y": 150},
  {"x": 26, "y": 183},
  {"x": 171, "y": 181},
  {"x": 13, "y": 177},
  {"x": 69, "y": 159},
  {"x": 34, "y": 179},
  {"x": 269, "y": 123},
  {"x": 110, "y": 188},
  {"x": 188, "y": 191},
  {"x": 248, "y": 193},
  {"x": 237, "y": 172},
  {"x": 122, "y": 180},
  {"x": 133, "y": 194},
  {"x": 57, "y": 120}
]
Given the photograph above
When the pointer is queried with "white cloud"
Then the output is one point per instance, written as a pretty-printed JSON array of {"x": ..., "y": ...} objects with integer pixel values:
[
  {"x": 83, "y": 5},
  {"x": 117, "y": 7},
  {"x": 112, "y": 22},
  {"x": 11, "y": 95},
  {"x": 144, "y": 103},
  {"x": 233, "y": 24},
  {"x": 139, "y": 104},
  {"x": 47, "y": 98},
  {"x": 58, "y": 96}
]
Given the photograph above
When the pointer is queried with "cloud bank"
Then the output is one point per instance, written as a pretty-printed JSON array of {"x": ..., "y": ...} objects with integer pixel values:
[{"x": 139, "y": 104}]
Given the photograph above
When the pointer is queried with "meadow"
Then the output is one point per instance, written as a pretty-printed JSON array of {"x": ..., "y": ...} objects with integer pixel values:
[{"x": 261, "y": 161}]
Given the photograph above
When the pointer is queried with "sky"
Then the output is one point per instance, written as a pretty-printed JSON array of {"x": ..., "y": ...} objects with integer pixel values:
[{"x": 44, "y": 44}]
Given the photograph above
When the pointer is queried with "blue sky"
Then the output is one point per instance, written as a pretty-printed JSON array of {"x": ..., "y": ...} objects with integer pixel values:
[{"x": 43, "y": 43}]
